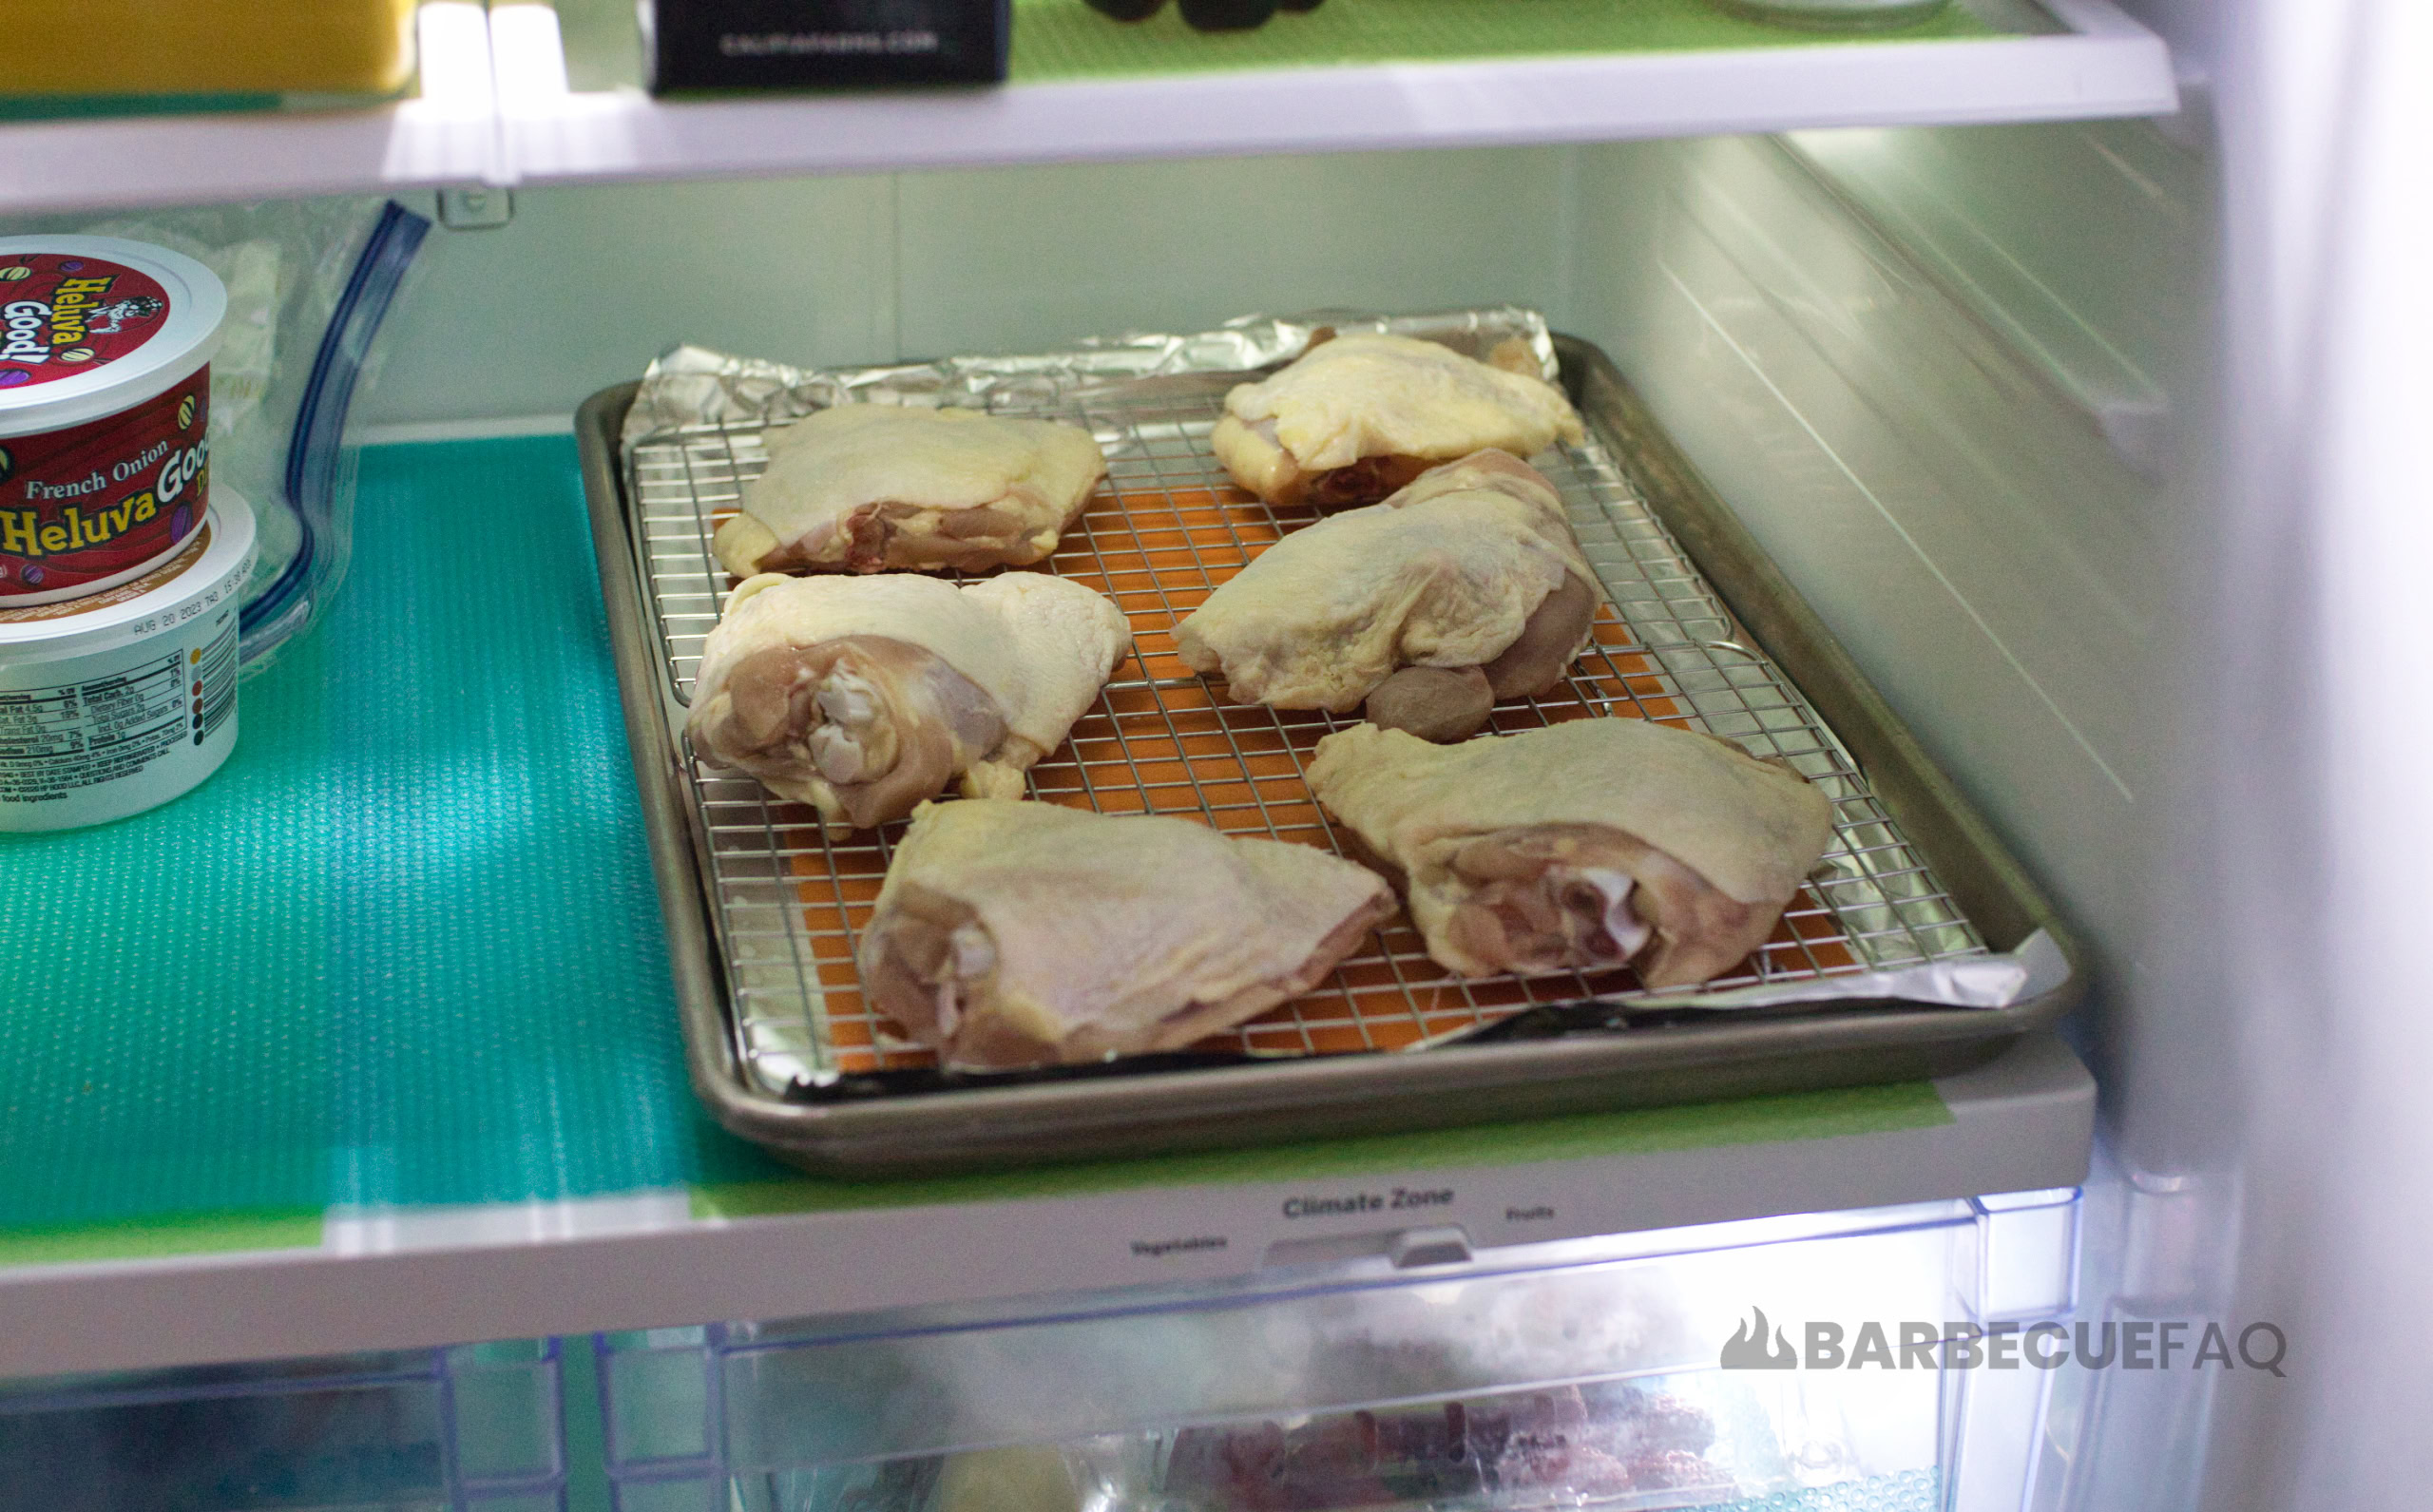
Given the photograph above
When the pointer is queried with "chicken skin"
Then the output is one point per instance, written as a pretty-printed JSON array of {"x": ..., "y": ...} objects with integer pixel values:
[
  {"x": 1465, "y": 587},
  {"x": 868, "y": 488},
  {"x": 862, "y": 697},
  {"x": 1583, "y": 846},
  {"x": 1358, "y": 416},
  {"x": 1015, "y": 934}
]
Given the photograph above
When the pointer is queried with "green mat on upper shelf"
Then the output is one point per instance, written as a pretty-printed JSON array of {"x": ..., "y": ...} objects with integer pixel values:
[{"x": 1065, "y": 39}]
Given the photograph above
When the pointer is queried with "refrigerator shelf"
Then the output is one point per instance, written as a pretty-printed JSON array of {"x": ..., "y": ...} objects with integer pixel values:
[
  {"x": 439, "y": 1064},
  {"x": 773, "y": 1246},
  {"x": 570, "y": 109},
  {"x": 445, "y": 132},
  {"x": 535, "y": 93}
]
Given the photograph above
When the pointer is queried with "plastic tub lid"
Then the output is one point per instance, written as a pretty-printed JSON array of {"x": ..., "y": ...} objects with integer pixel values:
[{"x": 141, "y": 317}]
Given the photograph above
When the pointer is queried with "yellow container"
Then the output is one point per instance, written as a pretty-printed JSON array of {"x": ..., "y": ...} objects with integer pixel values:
[{"x": 54, "y": 48}]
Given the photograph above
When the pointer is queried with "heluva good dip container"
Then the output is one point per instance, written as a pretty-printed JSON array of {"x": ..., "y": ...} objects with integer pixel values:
[
  {"x": 105, "y": 352},
  {"x": 120, "y": 700}
]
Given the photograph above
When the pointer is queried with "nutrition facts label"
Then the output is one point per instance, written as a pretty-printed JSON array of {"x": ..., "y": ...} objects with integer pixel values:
[{"x": 55, "y": 740}]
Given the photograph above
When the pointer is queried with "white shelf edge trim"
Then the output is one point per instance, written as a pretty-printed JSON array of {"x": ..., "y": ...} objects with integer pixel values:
[
  {"x": 495, "y": 108},
  {"x": 2107, "y": 65},
  {"x": 447, "y": 135},
  {"x": 406, "y": 1278}
]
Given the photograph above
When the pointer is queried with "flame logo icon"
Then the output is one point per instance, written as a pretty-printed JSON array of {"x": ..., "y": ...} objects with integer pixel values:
[{"x": 1746, "y": 1349}]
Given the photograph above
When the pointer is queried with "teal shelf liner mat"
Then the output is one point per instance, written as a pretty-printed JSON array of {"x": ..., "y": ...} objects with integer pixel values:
[{"x": 403, "y": 948}]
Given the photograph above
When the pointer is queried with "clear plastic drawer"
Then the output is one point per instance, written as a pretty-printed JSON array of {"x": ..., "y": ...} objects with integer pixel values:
[
  {"x": 472, "y": 1429},
  {"x": 1627, "y": 1372}
]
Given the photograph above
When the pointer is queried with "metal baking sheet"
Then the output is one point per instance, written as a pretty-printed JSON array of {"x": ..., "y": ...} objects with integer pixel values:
[
  {"x": 778, "y": 905},
  {"x": 1165, "y": 528}
]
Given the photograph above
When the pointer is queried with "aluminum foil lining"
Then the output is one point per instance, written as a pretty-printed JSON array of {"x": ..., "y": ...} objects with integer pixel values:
[
  {"x": 695, "y": 386},
  {"x": 1993, "y": 980}
]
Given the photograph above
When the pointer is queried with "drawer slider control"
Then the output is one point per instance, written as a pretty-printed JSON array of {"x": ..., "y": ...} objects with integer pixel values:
[
  {"x": 1403, "y": 1249},
  {"x": 1445, "y": 1245}
]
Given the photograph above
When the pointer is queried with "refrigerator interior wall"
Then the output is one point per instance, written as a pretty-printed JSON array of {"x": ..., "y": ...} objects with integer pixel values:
[
  {"x": 1924, "y": 455},
  {"x": 1535, "y": 1376},
  {"x": 1953, "y": 381},
  {"x": 585, "y": 285}
]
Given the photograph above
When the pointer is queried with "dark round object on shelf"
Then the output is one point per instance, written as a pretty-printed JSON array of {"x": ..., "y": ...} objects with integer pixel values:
[
  {"x": 1227, "y": 15},
  {"x": 1127, "y": 10}
]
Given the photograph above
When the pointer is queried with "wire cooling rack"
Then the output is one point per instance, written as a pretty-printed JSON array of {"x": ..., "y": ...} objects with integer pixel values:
[{"x": 1162, "y": 532}]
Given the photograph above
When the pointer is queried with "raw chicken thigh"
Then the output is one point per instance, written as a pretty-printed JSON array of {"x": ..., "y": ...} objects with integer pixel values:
[
  {"x": 1015, "y": 934},
  {"x": 1468, "y": 580},
  {"x": 1358, "y": 416},
  {"x": 861, "y": 487},
  {"x": 1580, "y": 846},
  {"x": 864, "y": 696}
]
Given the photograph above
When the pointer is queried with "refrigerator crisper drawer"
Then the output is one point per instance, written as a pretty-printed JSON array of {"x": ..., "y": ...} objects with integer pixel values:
[
  {"x": 1588, "y": 1050},
  {"x": 477, "y": 1429},
  {"x": 1584, "y": 1374}
]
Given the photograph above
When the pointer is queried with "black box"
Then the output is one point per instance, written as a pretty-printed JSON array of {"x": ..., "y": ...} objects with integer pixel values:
[{"x": 797, "y": 43}]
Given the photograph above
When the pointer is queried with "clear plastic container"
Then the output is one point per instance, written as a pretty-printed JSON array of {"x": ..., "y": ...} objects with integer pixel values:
[
  {"x": 309, "y": 284},
  {"x": 470, "y": 1430}
]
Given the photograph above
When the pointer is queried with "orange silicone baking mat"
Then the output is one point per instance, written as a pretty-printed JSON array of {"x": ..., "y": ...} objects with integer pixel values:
[{"x": 1162, "y": 532}]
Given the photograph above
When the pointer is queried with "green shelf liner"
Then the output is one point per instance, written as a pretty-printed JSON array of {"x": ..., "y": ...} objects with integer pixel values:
[
  {"x": 403, "y": 948},
  {"x": 170, "y": 1234},
  {"x": 1641, "y": 1131},
  {"x": 1065, "y": 39}
]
